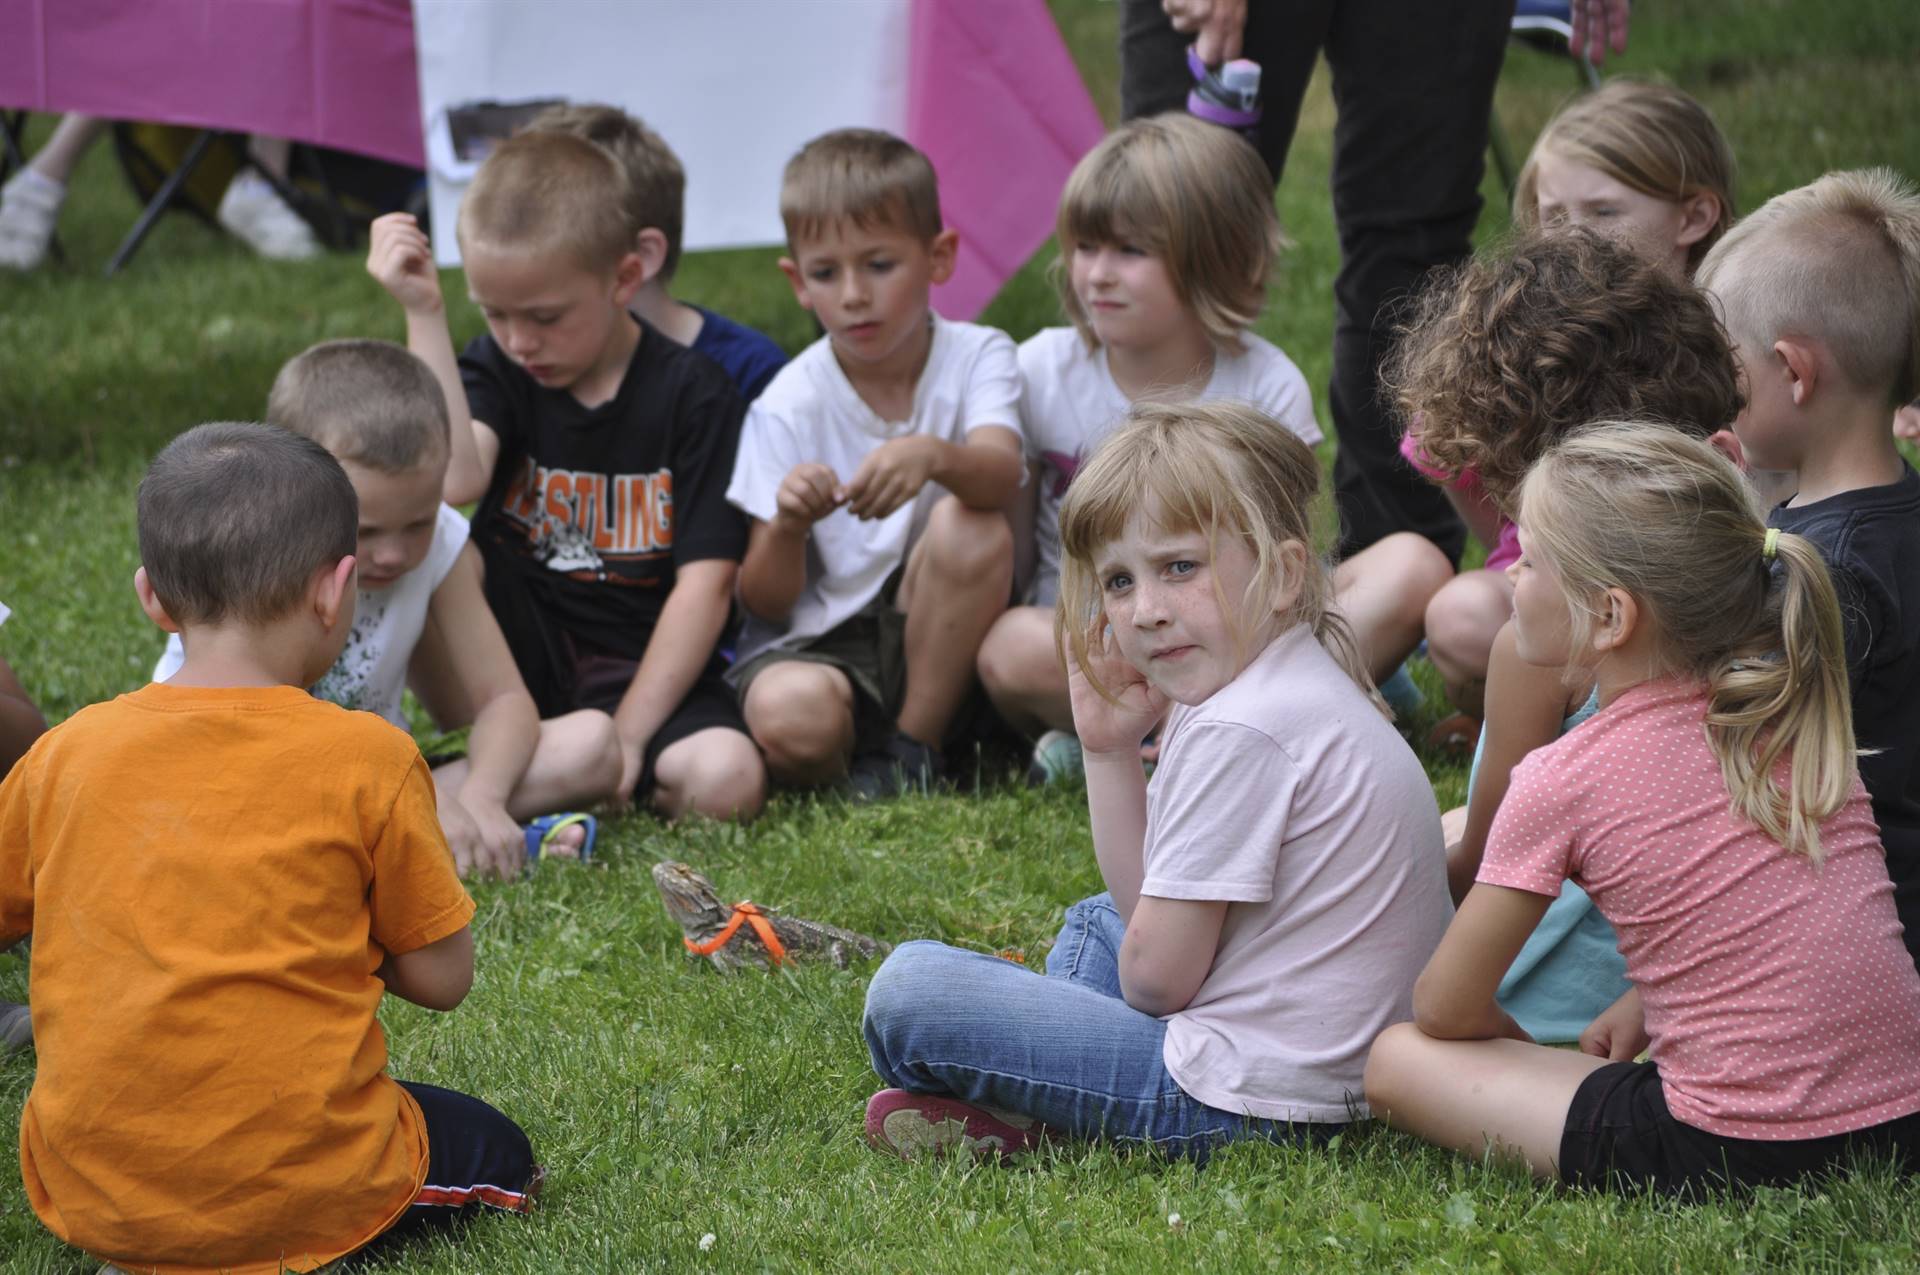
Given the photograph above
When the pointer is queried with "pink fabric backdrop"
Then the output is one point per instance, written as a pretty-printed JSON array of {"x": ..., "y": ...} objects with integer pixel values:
[{"x": 995, "y": 100}]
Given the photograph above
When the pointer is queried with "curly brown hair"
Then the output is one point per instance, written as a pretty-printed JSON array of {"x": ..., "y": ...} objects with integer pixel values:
[{"x": 1498, "y": 359}]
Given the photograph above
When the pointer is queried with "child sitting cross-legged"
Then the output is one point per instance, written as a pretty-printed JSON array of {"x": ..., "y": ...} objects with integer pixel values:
[
  {"x": 599, "y": 450},
  {"x": 875, "y": 469},
  {"x": 222, "y": 876},
  {"x": 1821, "y": 290},
  {"x": 1713, "y": 812},
  {"x": 421, "y": 618},
  {"x": 1168, "y": 240},
  {"x": 1270, "y": 895}
]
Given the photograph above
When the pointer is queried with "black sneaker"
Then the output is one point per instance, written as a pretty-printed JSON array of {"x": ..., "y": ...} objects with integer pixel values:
[{"x": 902, "y": 765}]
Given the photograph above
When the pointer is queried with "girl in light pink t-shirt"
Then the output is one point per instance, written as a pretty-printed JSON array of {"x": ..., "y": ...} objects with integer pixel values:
[
  {"x": 1270, "y": 895},
  {"x": 1713, "y": 812}
]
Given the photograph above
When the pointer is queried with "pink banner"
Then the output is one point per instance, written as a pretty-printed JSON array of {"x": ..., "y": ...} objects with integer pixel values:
[
  {"x": 998, "y": 105},
  {"x": 334, "y": 73}
]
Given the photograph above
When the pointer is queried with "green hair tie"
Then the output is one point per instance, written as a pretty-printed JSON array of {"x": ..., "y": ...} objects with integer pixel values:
[{"x": 1772, "y": 546}]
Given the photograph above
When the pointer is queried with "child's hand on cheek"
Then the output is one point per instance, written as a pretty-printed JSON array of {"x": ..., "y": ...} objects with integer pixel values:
[{"x": 1111, "y": 726}]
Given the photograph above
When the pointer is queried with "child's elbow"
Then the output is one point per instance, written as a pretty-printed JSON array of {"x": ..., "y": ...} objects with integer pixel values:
[
  {"x": 1437, "y": 1013},
  {"x": 1153, "y": 990}
]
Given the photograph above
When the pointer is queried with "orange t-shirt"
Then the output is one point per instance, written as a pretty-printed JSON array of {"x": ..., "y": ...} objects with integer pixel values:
[{"x": 211, "y": 877}]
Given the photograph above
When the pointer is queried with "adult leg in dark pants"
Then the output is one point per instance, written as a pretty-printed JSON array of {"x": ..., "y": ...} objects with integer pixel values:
[{"x": 1413, "y": 87}]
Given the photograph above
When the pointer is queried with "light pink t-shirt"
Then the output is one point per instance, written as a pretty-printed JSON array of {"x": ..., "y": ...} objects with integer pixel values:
[
  {"x": 1288, "y": 795},
  {"x": 1781, "y": 1001}
]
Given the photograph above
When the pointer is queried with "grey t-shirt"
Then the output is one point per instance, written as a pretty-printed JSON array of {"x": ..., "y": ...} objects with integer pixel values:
[{"x": 1288, "y": 795}]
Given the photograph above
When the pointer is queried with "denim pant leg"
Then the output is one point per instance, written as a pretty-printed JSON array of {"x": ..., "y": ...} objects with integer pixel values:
[{"x": 1060, "y": 1048}]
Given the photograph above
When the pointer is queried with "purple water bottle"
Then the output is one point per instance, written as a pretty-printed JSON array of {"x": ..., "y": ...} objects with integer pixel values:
[{"x": 1228, "y": 96}]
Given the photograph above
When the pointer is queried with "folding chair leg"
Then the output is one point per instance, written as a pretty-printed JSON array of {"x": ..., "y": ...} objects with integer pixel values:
[{"x": 162, "y": 199}]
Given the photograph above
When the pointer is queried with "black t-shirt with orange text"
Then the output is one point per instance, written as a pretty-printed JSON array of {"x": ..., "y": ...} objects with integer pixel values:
[{"x": 592, "y": 510}]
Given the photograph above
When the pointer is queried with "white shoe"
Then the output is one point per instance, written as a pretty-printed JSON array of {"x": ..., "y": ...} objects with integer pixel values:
[
  {"x": 255, "y": 213},
  {"x": 29, "y": 207},
  {"x": 16, "y": 1027}
]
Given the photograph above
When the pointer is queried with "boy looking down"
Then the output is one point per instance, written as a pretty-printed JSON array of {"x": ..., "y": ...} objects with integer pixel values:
[
  {"x": 598, "y": 450},
  {"x": 875, "y": 468}
]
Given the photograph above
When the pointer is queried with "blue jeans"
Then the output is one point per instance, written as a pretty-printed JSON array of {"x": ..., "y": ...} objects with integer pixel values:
[{"x": 1063, "y": 1048}]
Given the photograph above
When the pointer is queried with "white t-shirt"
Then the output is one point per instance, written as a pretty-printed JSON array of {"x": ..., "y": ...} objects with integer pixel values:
[
  {"x": 1070, "y": 401},
  {"x": 371, "y": 672},
  {"x": 1289, "y": 796},
  {"x": 811, "y": 412}
]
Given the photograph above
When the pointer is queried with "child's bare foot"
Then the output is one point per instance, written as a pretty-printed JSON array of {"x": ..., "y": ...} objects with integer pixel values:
[{"x": 568, "y": 836}]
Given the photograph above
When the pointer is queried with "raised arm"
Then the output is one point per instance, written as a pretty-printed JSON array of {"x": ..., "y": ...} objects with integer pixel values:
[{"x": 399, "y": 256}]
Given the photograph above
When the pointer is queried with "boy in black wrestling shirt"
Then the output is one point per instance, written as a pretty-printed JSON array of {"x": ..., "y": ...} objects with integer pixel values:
[{"x": 600, "y": 452}]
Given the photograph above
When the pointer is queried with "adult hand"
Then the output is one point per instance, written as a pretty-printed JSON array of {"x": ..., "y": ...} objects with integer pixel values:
[
  {"x": 891, "y": 475},
  {"x": 1597, "y": 26},
  {"x": 1116, "y": 725},
  {"x": 399, "y": 256},
  {"x": 1216, "y": 26},
  {"x": 808, "y": 493}
]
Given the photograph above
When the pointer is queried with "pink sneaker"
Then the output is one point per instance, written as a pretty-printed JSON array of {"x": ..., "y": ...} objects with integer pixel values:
[{"x": 911, "y": 1125}]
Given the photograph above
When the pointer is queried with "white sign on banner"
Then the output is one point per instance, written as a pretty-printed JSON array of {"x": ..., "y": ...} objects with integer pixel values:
[{"x": 734, "y": 86}]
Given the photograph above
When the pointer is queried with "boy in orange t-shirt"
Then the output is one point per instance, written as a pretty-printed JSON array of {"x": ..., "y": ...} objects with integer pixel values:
[{"x": 211, "y": 942}]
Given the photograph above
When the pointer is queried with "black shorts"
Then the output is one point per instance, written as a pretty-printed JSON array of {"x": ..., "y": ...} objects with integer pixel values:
[
  {"x": 601, "y": 681},
  {"x": 1620, "y": 1134},
  {"x": 869, "y": 648}
]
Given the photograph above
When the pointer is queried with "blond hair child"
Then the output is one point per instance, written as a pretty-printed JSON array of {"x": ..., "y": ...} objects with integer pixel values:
[
  {"x": 656, "y": 193},
  {"x": 874, "y": 469},
  {"x": 223, "y": 875},
  {"x": 1821, "y": 292},
  {"x": 1268, "y": 898},
  {"x": 1636, "y": 160},
  {"x": 1167, "y": 239},
  {"x": 421, "y": 617},
  {"x": 1713, "y": 812},
  {"x": 598, "y": 449}
]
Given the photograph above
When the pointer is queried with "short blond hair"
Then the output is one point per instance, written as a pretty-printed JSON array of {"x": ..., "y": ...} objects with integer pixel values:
[
  {"x": 1837, "y": 261},
  {"x": 1220, "y": 468},
  {"x": 656, "y": 180},
  {"x": 863, "y": 176},
  {"x": 369, "y": 402},
  {"x": 548, "y": 193},
  {"x": 1649, "y": 137},
  {"x": 1193, "y": 194},
  {"x": 1750, "y": 615}
]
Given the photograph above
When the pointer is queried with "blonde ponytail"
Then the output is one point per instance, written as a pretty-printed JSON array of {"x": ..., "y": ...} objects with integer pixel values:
[{"x": 1749, "y": 612}]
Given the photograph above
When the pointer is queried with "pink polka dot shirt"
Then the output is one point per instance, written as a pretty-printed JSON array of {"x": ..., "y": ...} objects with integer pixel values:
[{"x": 1780, "y": 999}]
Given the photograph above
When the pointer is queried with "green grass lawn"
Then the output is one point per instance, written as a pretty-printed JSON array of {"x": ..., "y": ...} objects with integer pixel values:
[{"x": 671, "y": 1103}]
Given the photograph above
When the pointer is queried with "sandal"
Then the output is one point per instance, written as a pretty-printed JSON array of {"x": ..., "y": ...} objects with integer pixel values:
[{"x": 541, "y": 832}]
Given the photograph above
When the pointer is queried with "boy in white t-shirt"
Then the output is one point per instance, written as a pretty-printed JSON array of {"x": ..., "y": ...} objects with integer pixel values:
[
  {"x": 867, "y": 587},
  {"x": 422, "y": 619}
]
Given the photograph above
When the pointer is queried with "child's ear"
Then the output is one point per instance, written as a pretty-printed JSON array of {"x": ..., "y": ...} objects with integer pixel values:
[
  {"x": 943, "y": 250},
  {"x": 1292, "y": 561},
  {"x": 1802, "y": 361},
  {"x": 628, "y": 278},
  {"x": 333, "y": 592},
  {"x": 1699, "y": 214},
  {"x": 150, "y": 602},
  {"x": 1618, "y": 619},
  {"x": 799, "y": 285},
  {"x": 1727, "y": 443},
  {"x": 650, "y": 245}
]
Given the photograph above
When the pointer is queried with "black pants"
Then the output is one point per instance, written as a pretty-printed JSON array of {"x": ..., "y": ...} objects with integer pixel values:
[
  {"x": 475, "y": 1157},
  {"x": 1413, "y": 87}
]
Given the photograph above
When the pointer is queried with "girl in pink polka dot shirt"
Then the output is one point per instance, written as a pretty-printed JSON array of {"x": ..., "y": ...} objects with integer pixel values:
[{"x": 1713, "y": 811}]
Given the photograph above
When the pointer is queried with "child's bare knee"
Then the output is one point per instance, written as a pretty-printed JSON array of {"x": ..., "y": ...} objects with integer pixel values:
[
  {"x": 1462, "y": 620},
  {"x": 969, "y": 544},
  {"x": 1389, "y": 1064},
  {"x": 798, "y": 717},
  {"x": 1422, "y": 570},
  {"x": 722, "y": 777},
  {"x": 1016, "y": 659}
]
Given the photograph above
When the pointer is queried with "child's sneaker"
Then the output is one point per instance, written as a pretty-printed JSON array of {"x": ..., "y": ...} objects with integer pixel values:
[
  {"x": 16, "y": 1027},
  {"x": 254, "y": 212},
  {"x": 911, "y": 1125},
  {"x": 29, "y": 207},
  {"x": 1057, "y": 758},
  {"x": 903, "y": 765}
]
